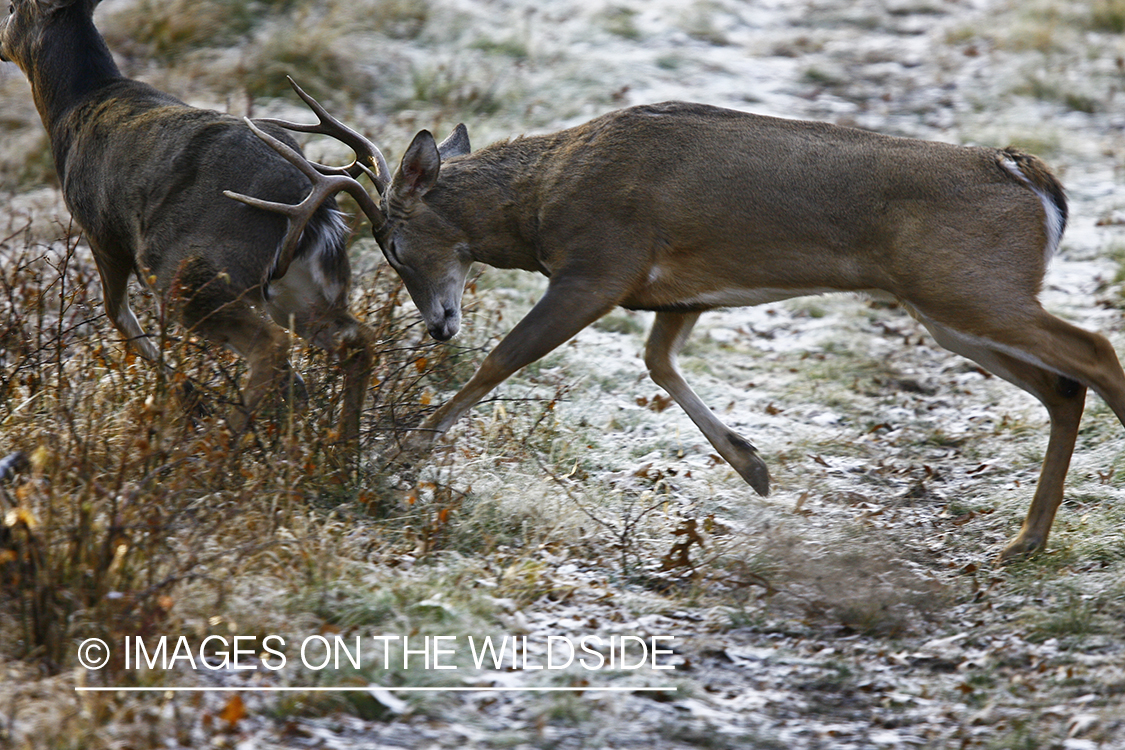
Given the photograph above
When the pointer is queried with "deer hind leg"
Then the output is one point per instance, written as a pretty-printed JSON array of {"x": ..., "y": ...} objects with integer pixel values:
[
  {"x": 1061, "y": 389},
  {"x": 115, "y": 293},
  {"x": 1080, "y": 355},
  {"x": 669, "y": 332},
  {"x": 212, "y": 308}
]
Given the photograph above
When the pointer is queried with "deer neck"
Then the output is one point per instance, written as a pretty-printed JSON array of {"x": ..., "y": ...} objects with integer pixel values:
[
  {"x": 72, "y": 63},
  {"x": 489, "y": 195}
]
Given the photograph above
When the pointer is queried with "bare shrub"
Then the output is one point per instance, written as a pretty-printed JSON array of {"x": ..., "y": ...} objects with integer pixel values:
[
  {"x": 124, "y": 498},
  {"x": 314, "y": 48}
]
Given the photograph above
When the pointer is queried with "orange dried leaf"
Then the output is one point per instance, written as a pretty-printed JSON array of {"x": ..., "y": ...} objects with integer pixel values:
[{"x": 234, "y": 711}]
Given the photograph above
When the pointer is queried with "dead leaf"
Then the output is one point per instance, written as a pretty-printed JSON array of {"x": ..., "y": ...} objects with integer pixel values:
[
  {"x": 679, "y": 555},
  {"x": 234, "y": 711}
]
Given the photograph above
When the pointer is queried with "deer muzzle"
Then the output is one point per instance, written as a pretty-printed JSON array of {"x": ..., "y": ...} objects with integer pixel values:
[{"x": 446, "y": 323}]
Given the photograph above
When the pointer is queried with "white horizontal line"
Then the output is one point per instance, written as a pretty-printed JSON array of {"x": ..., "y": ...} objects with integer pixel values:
[{"x": 369, "y": 688}]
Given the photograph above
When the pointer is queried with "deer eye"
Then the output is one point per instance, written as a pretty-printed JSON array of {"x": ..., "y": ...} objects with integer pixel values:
[
  {"x": 392, "y": 251},
  {"x": 387, "y": 243}
]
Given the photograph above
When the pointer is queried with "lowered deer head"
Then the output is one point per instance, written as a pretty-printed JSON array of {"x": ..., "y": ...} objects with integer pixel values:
[
  {"x": 433, "y": 274},
  {"x": 680, "y": 208},
  {"x": 143, "y": 175}
]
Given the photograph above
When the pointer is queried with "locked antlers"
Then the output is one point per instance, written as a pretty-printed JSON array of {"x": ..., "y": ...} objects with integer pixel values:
[{"x": 326, "y": 180}]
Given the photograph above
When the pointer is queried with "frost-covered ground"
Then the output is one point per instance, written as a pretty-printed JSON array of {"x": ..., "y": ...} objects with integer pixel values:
[{"x": 856, "y": 607}]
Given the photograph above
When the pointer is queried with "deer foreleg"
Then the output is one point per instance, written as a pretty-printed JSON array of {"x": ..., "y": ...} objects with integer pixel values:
[
  {"x": 265, "y": 347},
  {"x": 350, "y": 341},
  {"x": 566, "y": 308},
  {"x": 115, "y": 297},
  {"x": 669, "y": 332},
  {"x": 354, "y": 350}
]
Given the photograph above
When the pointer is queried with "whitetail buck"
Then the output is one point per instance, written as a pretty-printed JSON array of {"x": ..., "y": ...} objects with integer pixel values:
[
  {"x": 143, "y": 174},
  {"x": 680, "y": 208}
]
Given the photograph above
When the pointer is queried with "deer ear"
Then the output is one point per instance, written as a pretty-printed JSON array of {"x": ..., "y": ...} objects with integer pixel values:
[
  {"x": 457, "y": 144},
  {"x": 419, "y": 169}
]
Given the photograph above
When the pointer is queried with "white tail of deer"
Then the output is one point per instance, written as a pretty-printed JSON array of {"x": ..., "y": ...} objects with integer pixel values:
[
  {"x": 680, "y": 208},
  {"x": 143, "y": 175}
]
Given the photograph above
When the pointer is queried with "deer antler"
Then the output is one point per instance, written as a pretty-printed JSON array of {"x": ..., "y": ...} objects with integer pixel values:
[
  {"x": 326, "y": 181},
  {"x": 369, "y": 160}
]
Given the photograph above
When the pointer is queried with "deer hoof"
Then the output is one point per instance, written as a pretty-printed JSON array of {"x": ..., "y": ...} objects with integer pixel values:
[
  {"x": 413, "y": 449},
  {"x": 744, "y": 458},
  {"x": 419, "y": 443},
  {"x": 756, "y": 474},
  {"x": 1020, "y": 548}
]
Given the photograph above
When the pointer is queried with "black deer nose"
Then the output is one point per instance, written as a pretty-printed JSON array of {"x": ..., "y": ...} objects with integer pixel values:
[{"x": 448, "y": 326}]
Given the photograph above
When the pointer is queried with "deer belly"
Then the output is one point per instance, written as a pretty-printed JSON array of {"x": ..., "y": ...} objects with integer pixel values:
[{"x": 665, "y": 291}]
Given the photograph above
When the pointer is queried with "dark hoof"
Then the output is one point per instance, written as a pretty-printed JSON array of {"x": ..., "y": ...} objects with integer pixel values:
[
  {"x": 745, "y": 460},
  {"x": 756, "y": 475},
  {"x": 1021, "y": 548}
]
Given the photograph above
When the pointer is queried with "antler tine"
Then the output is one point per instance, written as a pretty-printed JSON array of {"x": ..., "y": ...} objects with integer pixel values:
[
  {"x": 369, "y": 159},
  {"x": 324, "y": 187}
]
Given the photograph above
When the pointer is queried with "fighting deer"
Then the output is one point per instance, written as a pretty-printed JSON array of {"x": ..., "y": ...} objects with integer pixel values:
[
  {"x": 681, "y": 208},
  {"x": 143, "y": 175}
]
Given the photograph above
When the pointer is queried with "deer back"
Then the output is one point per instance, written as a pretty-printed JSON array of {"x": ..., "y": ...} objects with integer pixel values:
[
  {"x": 702, "y": 207},
  {"x": 143, "y": 171}
]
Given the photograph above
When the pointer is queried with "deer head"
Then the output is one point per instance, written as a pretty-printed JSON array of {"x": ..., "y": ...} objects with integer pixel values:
[
  {"x": 429, "y": 253},
  {"x": 23, "y": 30}
]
